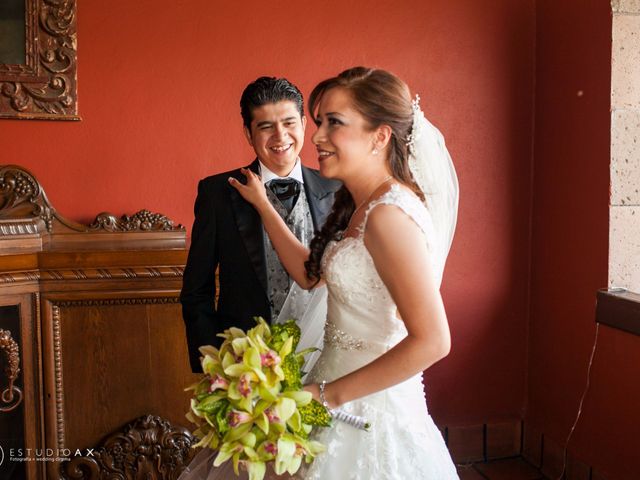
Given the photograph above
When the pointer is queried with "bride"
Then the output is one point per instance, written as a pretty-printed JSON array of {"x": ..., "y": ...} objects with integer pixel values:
[{"x": 381, "y": 254}]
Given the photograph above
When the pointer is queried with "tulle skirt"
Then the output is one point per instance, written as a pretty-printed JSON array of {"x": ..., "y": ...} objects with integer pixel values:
[{"x": 403, "y": 443}]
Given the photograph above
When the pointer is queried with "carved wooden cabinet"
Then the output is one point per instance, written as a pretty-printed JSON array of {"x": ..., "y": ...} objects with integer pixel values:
[{"x": 89, "y": 314}]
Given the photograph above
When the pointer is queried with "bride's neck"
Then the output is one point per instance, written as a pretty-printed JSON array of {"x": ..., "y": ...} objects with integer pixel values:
[{"x": 362, "y": 189}]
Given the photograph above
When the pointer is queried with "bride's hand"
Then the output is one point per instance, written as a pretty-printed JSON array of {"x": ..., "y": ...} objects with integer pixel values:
[{"x": 254, "y": 191}]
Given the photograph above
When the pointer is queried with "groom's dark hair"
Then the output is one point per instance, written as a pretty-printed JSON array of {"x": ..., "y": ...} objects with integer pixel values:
[{"x": 268, "y": 90}]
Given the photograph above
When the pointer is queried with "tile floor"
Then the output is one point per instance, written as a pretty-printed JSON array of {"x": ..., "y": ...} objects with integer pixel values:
[{"x": 505, "y": 469}]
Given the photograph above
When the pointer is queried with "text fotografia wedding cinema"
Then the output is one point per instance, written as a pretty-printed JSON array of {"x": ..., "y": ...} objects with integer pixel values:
[{"x": 41, "y": 454}]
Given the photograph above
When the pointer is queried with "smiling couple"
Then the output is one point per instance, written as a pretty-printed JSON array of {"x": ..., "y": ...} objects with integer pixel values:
[{"x": 380, "y": 250}]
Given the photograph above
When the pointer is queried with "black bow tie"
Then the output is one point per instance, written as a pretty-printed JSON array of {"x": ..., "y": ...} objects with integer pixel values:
[{"x": 287, "y": 191}]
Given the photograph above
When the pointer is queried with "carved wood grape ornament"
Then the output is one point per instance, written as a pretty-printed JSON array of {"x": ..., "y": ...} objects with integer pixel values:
[{"x": 22, "y": 198}]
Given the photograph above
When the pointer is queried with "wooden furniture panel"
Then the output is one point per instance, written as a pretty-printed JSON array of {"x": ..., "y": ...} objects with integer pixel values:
[
  {"x": 170, "y": 367},
  {"x": 119, "y": 362},
  {"x": 100, "y": 333},
  {"x": 21, "y": 424}
]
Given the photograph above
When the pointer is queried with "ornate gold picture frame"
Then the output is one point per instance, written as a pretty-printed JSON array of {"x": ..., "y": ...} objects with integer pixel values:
[{"x": 45, "y": 85}]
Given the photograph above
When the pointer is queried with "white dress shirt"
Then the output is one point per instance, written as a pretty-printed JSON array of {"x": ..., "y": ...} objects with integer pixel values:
[{"x": 267, "y": 175}]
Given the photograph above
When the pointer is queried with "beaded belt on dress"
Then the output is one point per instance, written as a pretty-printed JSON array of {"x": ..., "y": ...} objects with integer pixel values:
[{"x": 342, "y": 340}]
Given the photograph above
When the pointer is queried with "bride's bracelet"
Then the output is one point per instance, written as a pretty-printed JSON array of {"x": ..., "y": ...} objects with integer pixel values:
[
  {"x": 355, "y": 421},
  {"x": 323, "y": 400}
]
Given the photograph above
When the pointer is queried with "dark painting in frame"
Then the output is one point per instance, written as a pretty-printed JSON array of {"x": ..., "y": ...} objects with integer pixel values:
[
  {"x": 13, "y": 38},
  {"x": 44, "y": 84}
]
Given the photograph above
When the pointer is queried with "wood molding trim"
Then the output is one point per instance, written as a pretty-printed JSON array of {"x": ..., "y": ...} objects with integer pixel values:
[
  {"x": 91, "y": 274},
  {"x": 57, "y": 367},
  {"x": 619, "y": 308}
]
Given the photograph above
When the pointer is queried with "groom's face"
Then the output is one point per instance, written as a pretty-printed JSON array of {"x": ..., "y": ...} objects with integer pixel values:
[{"x": 277, "y": 135}]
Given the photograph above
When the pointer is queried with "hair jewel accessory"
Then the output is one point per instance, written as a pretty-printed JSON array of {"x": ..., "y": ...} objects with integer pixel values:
[{"x": 415, "y": 126}]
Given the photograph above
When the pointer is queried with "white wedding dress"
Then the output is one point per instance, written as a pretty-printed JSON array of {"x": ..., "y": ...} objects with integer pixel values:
[{"x": 362, "y": 325}]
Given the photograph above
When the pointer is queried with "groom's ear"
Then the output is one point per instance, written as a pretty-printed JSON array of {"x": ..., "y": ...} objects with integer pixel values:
[
  {"x": 247, "y": 134},
  {"x": 303, "y": 119}
]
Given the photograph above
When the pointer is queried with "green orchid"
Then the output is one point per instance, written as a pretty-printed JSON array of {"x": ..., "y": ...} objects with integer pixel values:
[
  {"x": 209, "y": 440},
  {"x": 232, "y": 333},
  {"x": 267, "y": 450},
  {"x": 227, "y": 450},
  {"x": 294, "y": 422},
  {"x": 228, "y": 359},
  {"x": 286, "y": 348},
  {"x": 259, "y": 335},
  {"x": 250, "y": 363},
  {"x": 212, "y": 366},
  {"x": 236, "y": 433},
  {"x": 291, "y": 451},
  {"x": 209, "y": 350},
  {"x": 256, "y": 470},
  {"x": 194, "y": 408},
  {"x": 301, "y": 397},
  {"x": 250, "y": 405},
  {"x": 269, "y": 393},
  {"x": 285, "y": 407}
]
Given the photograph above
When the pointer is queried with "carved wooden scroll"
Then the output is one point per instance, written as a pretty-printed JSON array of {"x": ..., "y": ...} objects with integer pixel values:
[
  {"x": 12, "y": 395},
  {"x": 150, "y": 448},
  {"x": 21, "y": 197},
  {"x": 45, "y": 86},
  {"x": 26, "y": 212}
]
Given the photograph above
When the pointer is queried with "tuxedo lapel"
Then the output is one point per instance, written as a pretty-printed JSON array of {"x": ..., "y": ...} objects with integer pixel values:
[
  {"x": 319, "y": 196},
  {"x": 250, "y": 228}
]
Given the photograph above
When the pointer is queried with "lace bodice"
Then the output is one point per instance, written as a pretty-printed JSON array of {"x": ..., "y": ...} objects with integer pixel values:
[{"x": 361, "y": 313}]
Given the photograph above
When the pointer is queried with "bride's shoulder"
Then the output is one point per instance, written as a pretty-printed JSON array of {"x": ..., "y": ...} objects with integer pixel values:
[
  {"x": 400, "y": 196},
  {"x": 398, "y": 193},
  {"x": 398, "y": 203}
]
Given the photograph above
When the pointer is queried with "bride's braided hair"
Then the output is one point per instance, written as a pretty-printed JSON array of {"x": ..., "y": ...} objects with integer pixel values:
[{"x": 382, "y": 99}]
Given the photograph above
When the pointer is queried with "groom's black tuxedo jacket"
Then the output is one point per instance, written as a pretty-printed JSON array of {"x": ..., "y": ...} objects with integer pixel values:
[{"x": 227, "y": 234}]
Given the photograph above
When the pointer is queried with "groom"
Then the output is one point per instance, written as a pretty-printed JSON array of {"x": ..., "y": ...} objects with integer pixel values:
[{"x": 228, "y": 235}]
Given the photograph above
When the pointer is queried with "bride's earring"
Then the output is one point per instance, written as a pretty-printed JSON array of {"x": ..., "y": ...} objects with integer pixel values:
[{"x": 375, "y": 151}]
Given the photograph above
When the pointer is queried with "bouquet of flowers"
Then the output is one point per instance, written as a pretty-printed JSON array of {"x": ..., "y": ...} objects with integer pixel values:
[{"x": 250, "y": 405}]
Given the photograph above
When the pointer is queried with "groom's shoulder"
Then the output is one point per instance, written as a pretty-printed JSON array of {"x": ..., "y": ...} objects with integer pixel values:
[
  {"x": 330, "y": 185},
  {"x": 218, "y": 180}
]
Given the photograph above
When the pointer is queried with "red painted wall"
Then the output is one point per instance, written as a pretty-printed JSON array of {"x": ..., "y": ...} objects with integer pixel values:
[
  {"x": 570, "y": 246},
  {"x": 159, "y": 85}
]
